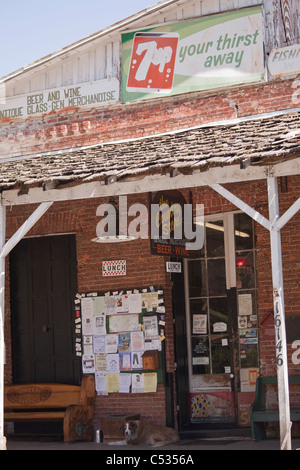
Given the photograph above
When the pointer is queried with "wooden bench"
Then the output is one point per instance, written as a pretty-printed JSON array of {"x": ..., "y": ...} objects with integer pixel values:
[
  {"x": 260, "y": 415},
  {"x": 52, "y": 402}
]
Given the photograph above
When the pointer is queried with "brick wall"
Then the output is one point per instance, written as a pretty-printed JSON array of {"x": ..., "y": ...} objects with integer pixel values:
[
  {"x": 79, "y": 217},
  {"x": 77, "y": 127},
  {"x": 143, "y": 270}
]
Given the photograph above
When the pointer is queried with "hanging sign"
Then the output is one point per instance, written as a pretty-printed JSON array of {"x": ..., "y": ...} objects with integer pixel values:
[
  {"x": 173, "y": 267},
  {"x": 173, "y": 230},
  {"x": 284, "y": 61},
  {"x": 168, "y": 222},
  {"x": 203, "y": 53}
]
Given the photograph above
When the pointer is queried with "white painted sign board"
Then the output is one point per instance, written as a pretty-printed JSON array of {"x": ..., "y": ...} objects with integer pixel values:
[
  {"x": 284, "y": 61},
  {"x": 91, "y": 94},
  {"x": 173, "y": 267}
]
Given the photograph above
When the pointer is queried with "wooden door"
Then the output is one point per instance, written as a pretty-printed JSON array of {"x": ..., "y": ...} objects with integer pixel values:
[{"x": 43, "y": 285}]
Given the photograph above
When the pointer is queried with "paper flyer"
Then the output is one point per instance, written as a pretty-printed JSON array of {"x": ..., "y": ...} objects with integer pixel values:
[{"x": 113, "y": 334}]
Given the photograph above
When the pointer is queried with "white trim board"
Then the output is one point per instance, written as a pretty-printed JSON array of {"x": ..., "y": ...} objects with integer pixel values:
[{"x": 138, "y": 185}]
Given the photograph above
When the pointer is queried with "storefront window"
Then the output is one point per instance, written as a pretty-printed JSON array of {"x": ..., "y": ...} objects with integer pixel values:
[
  {"x": 210, "y": 325},
  {"x": 197, "y": 276},
  {"x": 218, "y": 315},
  {"x": 245, "y": 270},
  {"x": 243, "y": 230},
  {"x": 246, "y": 291},
  {"x": 220, "y": 353},
  {"x": 215, "y": 238},
  {"x": 216, "y": 277},
  {"x": 208, "y": 304}
]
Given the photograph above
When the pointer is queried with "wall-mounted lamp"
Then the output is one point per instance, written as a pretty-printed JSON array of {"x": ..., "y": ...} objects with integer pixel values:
[{"x": 108, "y": 229}]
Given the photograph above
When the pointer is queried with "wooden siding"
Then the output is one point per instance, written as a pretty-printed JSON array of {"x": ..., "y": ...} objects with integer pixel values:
[{"x": 101, "y": 58}]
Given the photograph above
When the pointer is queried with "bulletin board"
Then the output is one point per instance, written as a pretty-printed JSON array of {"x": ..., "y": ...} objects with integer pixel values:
[{"x": 120, "y": 339}]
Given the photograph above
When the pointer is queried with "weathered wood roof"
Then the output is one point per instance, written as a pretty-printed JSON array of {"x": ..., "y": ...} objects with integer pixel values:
[{"x": 263, "y": 141}]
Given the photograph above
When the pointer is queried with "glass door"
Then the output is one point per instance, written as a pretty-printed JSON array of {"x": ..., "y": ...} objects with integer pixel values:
[{"x": 213, "y": 342}]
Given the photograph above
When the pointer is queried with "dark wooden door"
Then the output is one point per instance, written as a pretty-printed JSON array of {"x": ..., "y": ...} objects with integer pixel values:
[
  {"x": 181, "y": 354},
  {"x": 43, "y": 284}
]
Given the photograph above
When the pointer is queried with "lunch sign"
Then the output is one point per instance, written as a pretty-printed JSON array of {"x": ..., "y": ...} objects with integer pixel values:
[{"x": 200, "y": 54}]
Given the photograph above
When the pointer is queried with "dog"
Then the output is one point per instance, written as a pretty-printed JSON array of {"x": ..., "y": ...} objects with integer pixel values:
[{"x": 138, "y": 432}]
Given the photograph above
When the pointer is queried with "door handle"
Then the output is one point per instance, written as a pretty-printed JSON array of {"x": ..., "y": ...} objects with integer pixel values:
[{"x": 45, "y": 328}]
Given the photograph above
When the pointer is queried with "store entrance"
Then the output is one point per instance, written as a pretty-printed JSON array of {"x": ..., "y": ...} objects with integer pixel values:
[
  {"x": 43, "y": 284},
  {"x": 221, "y": 321}
]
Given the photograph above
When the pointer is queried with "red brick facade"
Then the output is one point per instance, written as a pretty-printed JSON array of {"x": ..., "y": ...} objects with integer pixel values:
[
  {"x": 79, "y": 217},
  {"x": 76, "y": 128},
  {"x": 143, "y": 270}
]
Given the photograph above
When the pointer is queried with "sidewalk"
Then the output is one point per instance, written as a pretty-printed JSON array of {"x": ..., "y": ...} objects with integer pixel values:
[{"x": 192, "y": 445}]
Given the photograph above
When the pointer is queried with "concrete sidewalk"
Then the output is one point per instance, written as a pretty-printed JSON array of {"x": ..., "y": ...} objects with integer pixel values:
[{"x": 191, "y": 445}]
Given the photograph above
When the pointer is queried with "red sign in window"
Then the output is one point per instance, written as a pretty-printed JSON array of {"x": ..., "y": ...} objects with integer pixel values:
[{"x": 152, "y": 62}]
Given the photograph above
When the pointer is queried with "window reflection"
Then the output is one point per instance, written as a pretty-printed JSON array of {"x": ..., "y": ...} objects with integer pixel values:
[
  {"x": 245, "y": 273},
  {"x": 243, "y": 231},
  {"x": 220, "y": 353},
  {"x": 197, "y": 278},
  {"x": 215, "y": 239},
  {"x": 209, "y": 318},
  {"x": 216, "y": 277},
  {"x": 218, "y": 315}
]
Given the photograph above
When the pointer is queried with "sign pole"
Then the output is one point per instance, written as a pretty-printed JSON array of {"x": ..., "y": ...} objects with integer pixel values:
[{"x": 279, "y": 318}]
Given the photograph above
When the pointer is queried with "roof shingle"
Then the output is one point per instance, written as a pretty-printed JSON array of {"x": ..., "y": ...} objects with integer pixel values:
[{"x": 266, "y": 140}]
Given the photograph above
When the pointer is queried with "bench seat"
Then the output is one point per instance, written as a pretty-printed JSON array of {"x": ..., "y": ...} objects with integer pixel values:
[
  {"x": 35, "y": 416},
  {"x": 259, "y": 415},
  {"x": 73, "y": 405},
  {"x": 273, "y": 415}
]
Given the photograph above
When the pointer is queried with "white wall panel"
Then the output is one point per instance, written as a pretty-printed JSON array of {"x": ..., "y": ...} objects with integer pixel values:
[{"x": 100, "y": 63}]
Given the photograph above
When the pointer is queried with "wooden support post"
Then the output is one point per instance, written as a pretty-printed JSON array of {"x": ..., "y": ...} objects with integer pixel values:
[
  {"x": 274, "y": 225},
  {"x": 5, "y": 249},
  {"x": 2, "y": 344},
  {"x": 279, "y": 318}
]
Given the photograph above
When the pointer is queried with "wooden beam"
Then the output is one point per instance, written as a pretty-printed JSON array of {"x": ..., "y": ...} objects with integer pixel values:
[
  {"x": 150, "y": 183},
  {"x": 274, "y": 225},
  {"x": 279, "y": 318},
  {"x": 288, "y": 215},
  {"x": 2, "y": 341},
  {"x": 242, "y": 205},
  {"x": 24, "y": 229},
  {"x": 5, "y": 250}
]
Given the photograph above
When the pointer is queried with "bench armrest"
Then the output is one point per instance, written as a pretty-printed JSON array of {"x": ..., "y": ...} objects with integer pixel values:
[
  {"x": 78, "y": 423},
  {"x": 257, "y": 404},
  {"x": 87, "y": 391}
]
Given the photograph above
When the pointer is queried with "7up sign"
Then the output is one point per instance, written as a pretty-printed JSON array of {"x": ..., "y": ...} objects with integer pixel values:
[
  {"x": 212, "y": 51},
  {"x": 152, "y": 62}
]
